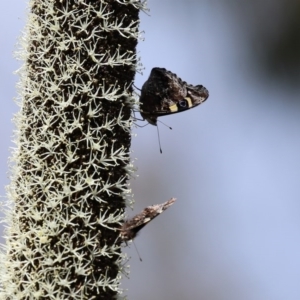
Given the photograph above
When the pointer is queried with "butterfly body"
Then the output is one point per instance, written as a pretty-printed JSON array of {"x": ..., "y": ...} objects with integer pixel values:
[{"x": 165, "y": 93}]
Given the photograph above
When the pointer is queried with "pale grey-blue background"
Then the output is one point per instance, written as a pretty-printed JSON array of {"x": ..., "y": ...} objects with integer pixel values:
[{"x": 233, "y": 163}]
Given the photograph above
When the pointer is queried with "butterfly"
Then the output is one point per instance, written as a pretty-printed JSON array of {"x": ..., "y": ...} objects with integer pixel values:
[
  {"x": 130, "y": 228},
  {"x": 164, "y": 93}
]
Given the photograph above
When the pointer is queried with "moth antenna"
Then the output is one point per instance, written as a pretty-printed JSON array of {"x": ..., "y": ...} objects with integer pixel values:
[
  {"x": 137, "y": 250},
  {"x": 165, "y": 124},
  {"x": 144, "y": 11},
  {"x": 159, "y": 140}
]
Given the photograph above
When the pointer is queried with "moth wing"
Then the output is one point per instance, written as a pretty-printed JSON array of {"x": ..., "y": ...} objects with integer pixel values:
[{"x": 131, "y": 227}]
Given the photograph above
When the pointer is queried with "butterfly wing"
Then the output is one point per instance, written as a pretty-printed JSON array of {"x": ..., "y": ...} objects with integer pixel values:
[{"x": 165, "y": 93}]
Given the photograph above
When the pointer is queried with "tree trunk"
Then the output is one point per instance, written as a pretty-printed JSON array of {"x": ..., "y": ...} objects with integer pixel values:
[{"x": 71, "y": 165}]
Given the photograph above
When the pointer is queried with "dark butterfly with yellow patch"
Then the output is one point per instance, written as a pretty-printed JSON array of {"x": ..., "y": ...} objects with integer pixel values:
[
  {"x": 130, "y": 228},
  {"x": 164, "y": 93}
]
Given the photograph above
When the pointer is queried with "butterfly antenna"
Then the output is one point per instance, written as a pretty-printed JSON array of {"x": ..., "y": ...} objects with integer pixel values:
[
  {"x": 137, "y": 250},
  {"x": 158, "y": 139},
  {"x": 165, "y": 124}
]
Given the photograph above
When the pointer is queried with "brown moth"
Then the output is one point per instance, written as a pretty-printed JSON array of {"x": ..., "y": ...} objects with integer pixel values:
[
  {"x": 130, "y": 228},
  {"x": 164, "y": 93}
]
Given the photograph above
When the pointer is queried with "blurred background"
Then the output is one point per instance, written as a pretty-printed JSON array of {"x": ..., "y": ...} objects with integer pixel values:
[{"x": 233, "y": 163}]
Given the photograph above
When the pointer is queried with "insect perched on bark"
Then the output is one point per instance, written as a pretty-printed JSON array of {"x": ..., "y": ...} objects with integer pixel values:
[
  {"x": 130, "y": 228},
  {"x": 164, "y": 93}
]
